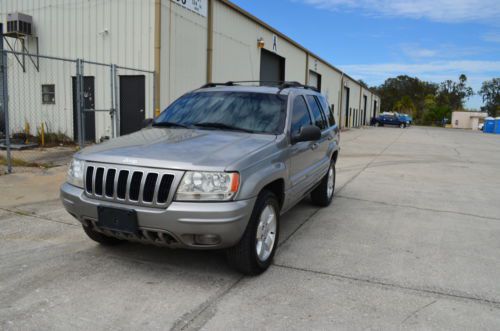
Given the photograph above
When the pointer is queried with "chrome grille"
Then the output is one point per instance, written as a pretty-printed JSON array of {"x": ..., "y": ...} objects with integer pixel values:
[{"x": 131, "y": 185}]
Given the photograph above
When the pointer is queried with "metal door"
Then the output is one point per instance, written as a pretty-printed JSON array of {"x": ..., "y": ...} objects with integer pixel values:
[
  {"x": 132, "y": 103},
  {"x": 88, "y": 117},
  {"x": 272, "y": 67}
]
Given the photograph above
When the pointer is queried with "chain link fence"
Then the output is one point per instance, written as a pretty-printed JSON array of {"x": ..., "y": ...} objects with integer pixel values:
[{"x": 50, "y": 106}]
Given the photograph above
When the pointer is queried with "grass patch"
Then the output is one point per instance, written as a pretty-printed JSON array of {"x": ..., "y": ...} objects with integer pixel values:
[{"x": 21, "y": 163}]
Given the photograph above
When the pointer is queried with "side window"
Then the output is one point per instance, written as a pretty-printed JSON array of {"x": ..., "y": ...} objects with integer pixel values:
[
  {"x": 328, "y": 111},
  {"x": 332, "y": 115},
  {"x": 318, "y": 116},
  {"x": 300, "y": 115}
]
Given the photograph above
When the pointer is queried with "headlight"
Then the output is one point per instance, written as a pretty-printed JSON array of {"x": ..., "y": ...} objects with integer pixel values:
[
  {"x": 208, "y": 186},
  {"x": 75, "y": 173}
]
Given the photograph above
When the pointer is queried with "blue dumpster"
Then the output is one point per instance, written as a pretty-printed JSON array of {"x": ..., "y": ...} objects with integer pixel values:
[
  {"x": 497, "y": 125},
  {"x": 489, "y": 125}
]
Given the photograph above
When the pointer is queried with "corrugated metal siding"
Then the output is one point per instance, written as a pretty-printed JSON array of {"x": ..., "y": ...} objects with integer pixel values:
[
  {"x": 330, "y": 83},
  {"x": 76, "y": 29},
  {"x": 183, "y": 52},
  {"x": 236, "y": 55}
]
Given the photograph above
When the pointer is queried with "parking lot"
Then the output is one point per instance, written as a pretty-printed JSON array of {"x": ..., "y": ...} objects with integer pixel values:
[{"x": 412, "y": 240}]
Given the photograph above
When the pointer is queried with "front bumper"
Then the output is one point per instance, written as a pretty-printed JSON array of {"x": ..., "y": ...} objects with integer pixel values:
[{"x": 175, "y": 226}]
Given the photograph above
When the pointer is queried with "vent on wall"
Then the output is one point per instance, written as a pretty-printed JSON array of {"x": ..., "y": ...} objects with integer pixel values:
[{"x": 19, "y": 25}]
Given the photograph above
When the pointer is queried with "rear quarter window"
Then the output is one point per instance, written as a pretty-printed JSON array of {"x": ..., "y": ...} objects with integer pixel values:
[
  {"x": 318, "y": 115},
  {"x": 328, "y": 111}
]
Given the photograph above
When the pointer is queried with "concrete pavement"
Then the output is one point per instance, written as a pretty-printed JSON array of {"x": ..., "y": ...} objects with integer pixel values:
[{"x": 410, "y": 242}]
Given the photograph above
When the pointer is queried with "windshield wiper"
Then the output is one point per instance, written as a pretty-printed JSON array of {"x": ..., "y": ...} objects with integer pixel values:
[
  {"x": 222, "y": 126},
  {"x": 170, "y": 125}
]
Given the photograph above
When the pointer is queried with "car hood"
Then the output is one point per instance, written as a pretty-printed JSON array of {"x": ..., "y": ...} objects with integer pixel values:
[{"x": 175, "y": 148}]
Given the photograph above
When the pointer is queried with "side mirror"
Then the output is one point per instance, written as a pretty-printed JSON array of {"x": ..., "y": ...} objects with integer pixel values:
[
  {"x": 307, "y": 133},
  {"x": 147, "y": 122}
]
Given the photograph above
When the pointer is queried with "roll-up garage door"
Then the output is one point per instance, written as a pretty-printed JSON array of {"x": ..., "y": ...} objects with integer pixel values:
[{"x": 272, "y": 67}]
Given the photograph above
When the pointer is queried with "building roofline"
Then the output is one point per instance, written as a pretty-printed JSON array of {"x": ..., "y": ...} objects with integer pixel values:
[{"x": 290, "y": 40}]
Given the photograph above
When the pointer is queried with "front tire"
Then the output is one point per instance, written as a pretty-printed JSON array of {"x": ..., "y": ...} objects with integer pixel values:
[
  {"x": 100, "y": 238},
  {"x": 323, "y": 195},
  {"x": 255, "y": 251},
  {"x": 402, "y": 125}
]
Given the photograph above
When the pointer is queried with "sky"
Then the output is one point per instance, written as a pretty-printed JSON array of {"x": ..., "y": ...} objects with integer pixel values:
[{"x": 372, "y": 40}]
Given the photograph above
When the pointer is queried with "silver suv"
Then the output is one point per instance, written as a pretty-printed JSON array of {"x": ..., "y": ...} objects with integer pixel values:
[{"x": 215, "y": 170}]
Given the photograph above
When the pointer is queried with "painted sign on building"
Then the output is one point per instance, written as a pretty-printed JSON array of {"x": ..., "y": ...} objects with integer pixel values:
[{"x": 200, "y": 7}]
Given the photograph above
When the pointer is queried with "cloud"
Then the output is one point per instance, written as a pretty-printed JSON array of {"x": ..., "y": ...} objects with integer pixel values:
[
  {"x": 416, "y": 52},
  {"x": 439, "y": 67},
  {"x": 493, "y": 37},
  {"x": 434, "y": 10},
  {"x": 435, "y": 71}
]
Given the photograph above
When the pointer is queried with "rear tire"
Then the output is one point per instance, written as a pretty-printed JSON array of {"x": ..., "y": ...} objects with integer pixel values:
[
  {"x": 100, "y": 238},
  {"x": 377, "y": 124},
  {"x": 323, "y": 194},
  {"x": 262, "y": 231}
]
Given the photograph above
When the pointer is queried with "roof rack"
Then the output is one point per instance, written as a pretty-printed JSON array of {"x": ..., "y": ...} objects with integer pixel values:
[{"x": 281, "y": 85}]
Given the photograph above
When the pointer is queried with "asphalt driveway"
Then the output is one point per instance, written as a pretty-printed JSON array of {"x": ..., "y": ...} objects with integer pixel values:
[{"x": 412, "y": 241}]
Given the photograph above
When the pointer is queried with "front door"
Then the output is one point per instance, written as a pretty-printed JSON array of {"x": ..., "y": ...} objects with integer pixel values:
[
  {"x": 132, "y": 103},
  {"x": 88, "y": 117},
  {"x": 303, "y": 156}
]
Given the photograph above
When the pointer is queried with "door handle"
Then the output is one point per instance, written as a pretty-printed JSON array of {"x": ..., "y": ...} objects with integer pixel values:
[{"x": 314, "y": 146}]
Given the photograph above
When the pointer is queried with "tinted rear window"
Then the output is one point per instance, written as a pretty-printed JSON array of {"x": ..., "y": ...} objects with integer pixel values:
[{"x": 318, "y": 117}]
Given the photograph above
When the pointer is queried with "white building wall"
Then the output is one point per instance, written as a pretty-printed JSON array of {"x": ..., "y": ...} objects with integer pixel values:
[
  {"x": 122, "y": 32},
  {"x": 183, "y": 52},
  {"x": 236, "y": 55},
  {"x": 330, "y": 83},
  {"x": 111, "y": 31},
  {"x": 354, "y": 93}
]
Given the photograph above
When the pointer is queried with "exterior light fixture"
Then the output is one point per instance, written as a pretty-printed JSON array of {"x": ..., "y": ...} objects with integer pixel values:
[{"x": 260, "y": 42}]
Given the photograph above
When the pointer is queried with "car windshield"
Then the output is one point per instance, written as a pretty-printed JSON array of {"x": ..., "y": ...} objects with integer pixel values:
[{"x": 234, "y": 111}]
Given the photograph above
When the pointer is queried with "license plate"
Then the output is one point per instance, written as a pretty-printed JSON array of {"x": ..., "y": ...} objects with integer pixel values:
[{"x": 123, "y": 220}]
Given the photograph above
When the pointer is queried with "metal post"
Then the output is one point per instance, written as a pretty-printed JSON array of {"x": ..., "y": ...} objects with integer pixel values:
[
  {"x": 79, "y": 110},
  {"x": 112, "y": 111},
  {"x": 117, "y": 105},
  {"x": 5, "y": 97},
  {"x": 155, "y": 105},
  {"x": 82, "y": 102}
]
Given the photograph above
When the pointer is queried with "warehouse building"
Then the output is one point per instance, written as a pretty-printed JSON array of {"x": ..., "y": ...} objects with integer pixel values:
[{"x": 185, "y": 43}]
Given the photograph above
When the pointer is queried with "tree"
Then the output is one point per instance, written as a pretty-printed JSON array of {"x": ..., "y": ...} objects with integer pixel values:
[
  {"x": 362, "y": 83},
  {"x": 490, "y": 91},
  {"x": 454, "y": 94},
  {"x": 406, "y": 106},
  {"x": 393, "y": 89}
]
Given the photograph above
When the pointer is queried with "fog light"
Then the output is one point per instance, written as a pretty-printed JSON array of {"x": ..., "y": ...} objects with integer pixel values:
[{"x": 206, "y": 239}]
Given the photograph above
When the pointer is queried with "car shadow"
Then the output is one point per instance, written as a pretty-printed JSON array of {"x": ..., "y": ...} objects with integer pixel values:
[{"x": 211, "y": 261}]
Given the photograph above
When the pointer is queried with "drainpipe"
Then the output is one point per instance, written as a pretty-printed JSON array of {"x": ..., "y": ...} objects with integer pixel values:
[
  {"x": 359, "y": 108},
  {"x": 340, "y": 101},
  {"x": 307, "y": 68},
  {"x": 157, "y": 56},
  {"x": 371, "y": 106},
  {"x": 210, "y": 41}
]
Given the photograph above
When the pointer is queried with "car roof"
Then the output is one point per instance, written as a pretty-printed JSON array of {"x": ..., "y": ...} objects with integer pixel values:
[{"x": 285, "y": 90}]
